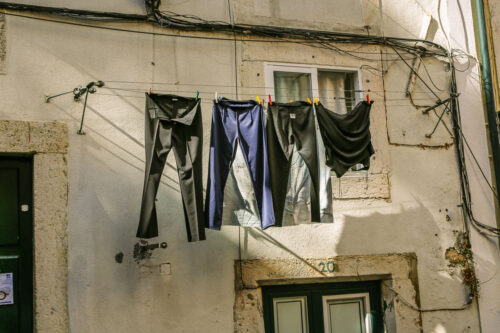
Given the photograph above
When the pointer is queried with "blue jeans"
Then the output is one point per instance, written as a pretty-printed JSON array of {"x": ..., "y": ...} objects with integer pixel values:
[{"x": 238, "y": 122}]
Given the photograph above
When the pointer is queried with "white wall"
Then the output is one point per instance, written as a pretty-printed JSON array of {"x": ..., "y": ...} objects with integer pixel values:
[{"x": 106, "y": 168}]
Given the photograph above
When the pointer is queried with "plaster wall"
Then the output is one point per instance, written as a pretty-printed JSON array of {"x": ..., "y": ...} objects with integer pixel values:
[{"x": 411, "y": 205}]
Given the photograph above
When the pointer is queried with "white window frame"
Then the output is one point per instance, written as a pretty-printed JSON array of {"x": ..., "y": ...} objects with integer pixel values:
[
  {"x": 364, "y": 296},
  {"x": 271, "y": 67},
  {"x": 303, "y": 305}
]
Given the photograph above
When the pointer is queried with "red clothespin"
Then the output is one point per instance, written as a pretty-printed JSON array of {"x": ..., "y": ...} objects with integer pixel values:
[
  {"x": 368, "y": 99},
  {"x": 270, "y": 101}
]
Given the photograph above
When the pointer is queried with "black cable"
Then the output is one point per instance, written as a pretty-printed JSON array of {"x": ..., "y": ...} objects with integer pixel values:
[
  {"x": 74, "y": 13},
  {"x": 482, "y": 228},
  {"x": 193, "y": 23}
]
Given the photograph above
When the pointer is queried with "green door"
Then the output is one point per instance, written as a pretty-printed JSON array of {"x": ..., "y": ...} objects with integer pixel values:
[
  {"x": 339, "y": 307},
  {"x": 16, "y": 244}
]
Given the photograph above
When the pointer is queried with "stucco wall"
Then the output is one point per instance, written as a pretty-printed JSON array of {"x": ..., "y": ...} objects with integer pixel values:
[{"x": 413, "y": 207}]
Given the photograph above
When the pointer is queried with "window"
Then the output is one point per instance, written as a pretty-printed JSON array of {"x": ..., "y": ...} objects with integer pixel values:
[
  {"x": 347, "y": 307},
  {"x": 337, "y": 88}
]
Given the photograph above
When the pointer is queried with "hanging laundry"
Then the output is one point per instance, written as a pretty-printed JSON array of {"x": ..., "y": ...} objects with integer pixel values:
[
  {"x": 289, "y": 126},
  {"x": 298, "y": 197},
  {"x": 173, "y": 122},
  {"x": 346, "y": 137},
  {"x": 238, "y": 123},
  {"x": 240, "y": 206}
]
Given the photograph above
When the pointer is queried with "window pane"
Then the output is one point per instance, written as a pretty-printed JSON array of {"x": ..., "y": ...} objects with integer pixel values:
[
  {"x": 290, "y": 315},
  {"x": 346, "y": 316},
  {"x": 290, "y": 85},
  {"x": 336, "y": 90}
]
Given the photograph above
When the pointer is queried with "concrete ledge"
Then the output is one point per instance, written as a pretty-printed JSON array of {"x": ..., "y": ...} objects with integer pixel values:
[
  {"x": 33, "y": 136},
  {"x": 396, "y": 272}
]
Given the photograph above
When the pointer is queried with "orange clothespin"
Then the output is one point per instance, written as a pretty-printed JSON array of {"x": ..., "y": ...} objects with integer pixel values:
[
  {"x": 270, "y": 101},
  {"x": 316, "y": 100},
  {"x": 309, "y": 100},
  {"x": 258, "y": 99},
  {"x": 368, "y": 98}
]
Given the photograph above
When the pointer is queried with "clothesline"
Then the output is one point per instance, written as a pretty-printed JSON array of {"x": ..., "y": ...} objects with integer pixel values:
[
  {"x": 243, "y": 87},
  {"x": 376, "y": 92},
  {"x": 210, "y": 97}
]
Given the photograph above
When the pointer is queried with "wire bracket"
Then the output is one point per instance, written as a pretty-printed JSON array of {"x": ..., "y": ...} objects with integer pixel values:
[{"x": 78, "y": 92}]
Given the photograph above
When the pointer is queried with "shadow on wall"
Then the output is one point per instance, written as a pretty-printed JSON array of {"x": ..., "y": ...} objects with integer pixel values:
[{"x": 413, "y": 229}]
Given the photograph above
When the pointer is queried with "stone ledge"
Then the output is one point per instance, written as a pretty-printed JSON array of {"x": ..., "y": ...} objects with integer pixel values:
[
  {"x": 33, "y": 136},
  {"x": 359, "y": 186}
]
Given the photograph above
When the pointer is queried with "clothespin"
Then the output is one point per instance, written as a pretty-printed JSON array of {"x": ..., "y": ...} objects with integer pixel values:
[
  {"x": 316, "y": 100},
  {"x": 368, "y": 98},
  {"x": 216, "y": 98},
  {"x": 263, "y": 102},
  {"x": 258, "y": 99},
  {"x": 270, "y": 101},
  {"x": 291, "y": 101},
  {"x": 309, "y": 100},
  {"x": 149, "y": 91},
  {"x": 197, "y": 93}
]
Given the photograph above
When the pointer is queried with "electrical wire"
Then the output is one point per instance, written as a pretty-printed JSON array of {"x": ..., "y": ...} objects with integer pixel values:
[{"x": 192, "y": 23}]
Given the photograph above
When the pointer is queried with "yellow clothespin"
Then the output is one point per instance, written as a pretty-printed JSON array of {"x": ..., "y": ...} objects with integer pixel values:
[
  {"x": 316, "y": 100},
  {"x": 291, "y": 101},
  {"x": 309, "y": 100},
  {"x": 258, "y": 99}
]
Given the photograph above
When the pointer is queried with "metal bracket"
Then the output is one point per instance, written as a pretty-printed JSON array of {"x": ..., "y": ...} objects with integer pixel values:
[
  {"x": 446, "y": 108},
  {"x": 143, "y": 250},
  {"x": 78, "y": 92}
]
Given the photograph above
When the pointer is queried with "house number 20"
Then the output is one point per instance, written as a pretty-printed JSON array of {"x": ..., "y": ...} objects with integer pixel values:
[{"x": 327, "y": 266}]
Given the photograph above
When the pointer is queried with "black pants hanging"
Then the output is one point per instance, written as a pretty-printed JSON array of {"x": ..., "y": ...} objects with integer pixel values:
[
  {"x": 291, "y": 124},
  {"x": 173, "y": 122}
]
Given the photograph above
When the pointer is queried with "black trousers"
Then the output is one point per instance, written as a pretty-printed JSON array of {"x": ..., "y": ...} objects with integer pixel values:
[
  {"x": 173, "y": 122},
  {"x": 291, "y": 124}
]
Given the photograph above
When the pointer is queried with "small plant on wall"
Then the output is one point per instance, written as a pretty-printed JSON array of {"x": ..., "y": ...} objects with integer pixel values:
[{"x": 461, "y": 256}]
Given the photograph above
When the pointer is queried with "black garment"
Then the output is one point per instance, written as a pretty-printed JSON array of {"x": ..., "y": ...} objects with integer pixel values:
[
  {"x": 346, "y": 137},
  {"x": 291, "y": 124},
  {"x": 173, "y": 122}
]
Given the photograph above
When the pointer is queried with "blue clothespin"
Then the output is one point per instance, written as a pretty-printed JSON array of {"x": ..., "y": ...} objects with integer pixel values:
[{"x": 197, "y": 93}]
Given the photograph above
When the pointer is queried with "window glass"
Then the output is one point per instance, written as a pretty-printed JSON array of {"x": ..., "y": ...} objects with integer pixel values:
[
  {"x": 336, "y": 90},
  {"x": 290, "y": 315},
  {"x": 292, "y": 86},
  {"x": 346, "y": 315}
]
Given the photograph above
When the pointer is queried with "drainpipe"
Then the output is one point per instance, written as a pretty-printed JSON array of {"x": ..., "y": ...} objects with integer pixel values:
[{"x": 489, "y": 98}]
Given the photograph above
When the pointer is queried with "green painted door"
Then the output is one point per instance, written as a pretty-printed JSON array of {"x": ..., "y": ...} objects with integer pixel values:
[
  {"x": 16, "y": 244},
  {"x": 340, "y": 307}
]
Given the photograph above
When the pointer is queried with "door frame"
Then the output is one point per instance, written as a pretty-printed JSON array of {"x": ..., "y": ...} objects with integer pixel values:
[{"x": 47, "y": 142}]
